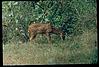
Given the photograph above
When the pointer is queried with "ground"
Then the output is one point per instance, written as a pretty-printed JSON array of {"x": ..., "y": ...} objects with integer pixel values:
[{"x": 79, "y": 49}]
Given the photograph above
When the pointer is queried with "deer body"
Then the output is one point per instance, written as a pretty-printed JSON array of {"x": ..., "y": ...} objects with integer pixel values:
[{"x": 46, "y": 29}]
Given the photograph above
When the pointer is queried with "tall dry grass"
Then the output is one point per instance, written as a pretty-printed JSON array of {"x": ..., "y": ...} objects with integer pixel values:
[{"x": 79, "y": 49}]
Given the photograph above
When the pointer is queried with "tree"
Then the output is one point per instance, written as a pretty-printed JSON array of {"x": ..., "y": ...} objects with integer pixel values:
[{"x": 74, "y": 16}]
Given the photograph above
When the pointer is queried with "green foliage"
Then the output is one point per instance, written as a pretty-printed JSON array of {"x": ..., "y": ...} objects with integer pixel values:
[
  {"x": 77, "y": 15},
  {"x": 77, "y": 18}
]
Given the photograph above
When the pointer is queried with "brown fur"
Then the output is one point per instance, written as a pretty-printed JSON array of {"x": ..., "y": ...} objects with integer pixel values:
[
  {"x": 59, "y": 32},
  {"x": 41, "y": 28}
]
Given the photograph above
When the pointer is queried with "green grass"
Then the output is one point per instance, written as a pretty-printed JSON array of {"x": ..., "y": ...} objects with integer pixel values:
[{"x": 74, "y": 50}]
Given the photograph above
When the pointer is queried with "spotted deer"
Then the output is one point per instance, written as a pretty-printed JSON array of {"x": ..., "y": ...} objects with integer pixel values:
[{"x": 43, "y": 28}]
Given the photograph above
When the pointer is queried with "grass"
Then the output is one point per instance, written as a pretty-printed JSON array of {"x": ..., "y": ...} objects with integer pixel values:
[{"x": 79, "y": 49}]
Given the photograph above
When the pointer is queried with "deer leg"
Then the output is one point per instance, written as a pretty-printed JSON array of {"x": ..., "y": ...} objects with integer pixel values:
[
  {"x": 48, "y": 37},
  {"x": 32, "y": 36},
  {"x": 61, "y": 35}
]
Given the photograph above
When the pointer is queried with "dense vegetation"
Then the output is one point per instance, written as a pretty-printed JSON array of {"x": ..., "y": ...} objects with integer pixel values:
[{"x": 80, "y": 25}]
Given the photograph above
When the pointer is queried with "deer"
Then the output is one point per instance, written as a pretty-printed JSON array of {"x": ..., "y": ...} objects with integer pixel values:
[{"x": 43, "y": 28}]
